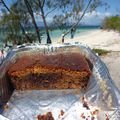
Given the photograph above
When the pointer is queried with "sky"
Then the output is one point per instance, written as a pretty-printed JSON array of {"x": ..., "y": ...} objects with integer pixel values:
[{"x": 96, "y": 17}]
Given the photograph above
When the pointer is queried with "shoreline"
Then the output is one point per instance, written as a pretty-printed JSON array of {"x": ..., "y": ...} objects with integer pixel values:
[
  {"x": 100, "y": 39},
  {"x": 95, "y": 39}
]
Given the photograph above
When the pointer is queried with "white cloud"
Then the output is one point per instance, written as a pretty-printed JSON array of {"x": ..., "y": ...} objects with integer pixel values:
[{"x": 95, "y": 18}]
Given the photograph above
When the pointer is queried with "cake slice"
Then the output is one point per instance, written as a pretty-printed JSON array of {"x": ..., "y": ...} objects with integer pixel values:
[{"x": 44, "y": 71}]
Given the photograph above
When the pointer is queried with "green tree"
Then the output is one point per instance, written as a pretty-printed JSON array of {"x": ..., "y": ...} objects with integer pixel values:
[
  {"x": 76, "y": 11},
  {"x": 12, "y": 28},
  {"x": 64, "y": 11},
  {"x": 112, "y": 23},
  {"x": 12, "y": 23},
  {"x": 29, "y": 8},
  {"x": 41, "y": 5},
  {"x": 24, "y": 6},
  {"x": 44, "y": 8},
  {"x": 2, "y": 2}
]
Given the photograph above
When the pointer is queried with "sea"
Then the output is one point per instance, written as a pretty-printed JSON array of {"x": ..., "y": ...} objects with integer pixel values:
[{"x": 56, "y": 34}]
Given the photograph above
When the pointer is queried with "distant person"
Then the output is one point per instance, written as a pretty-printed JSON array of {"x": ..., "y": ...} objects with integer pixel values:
[
  {"x": 62, "y": 38},
  {"x": 2, "y": 51},
  {"x": 1, "y": 109},
  {"x": 1, "y": 55},
  {"x": 72, "y": 33}
]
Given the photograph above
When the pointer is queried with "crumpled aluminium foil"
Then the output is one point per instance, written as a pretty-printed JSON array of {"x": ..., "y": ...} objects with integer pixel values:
[{"x": 101, "y": 91}]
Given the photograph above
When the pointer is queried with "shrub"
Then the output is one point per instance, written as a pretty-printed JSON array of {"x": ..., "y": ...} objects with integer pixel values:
[{"x": 112, "y": 23}]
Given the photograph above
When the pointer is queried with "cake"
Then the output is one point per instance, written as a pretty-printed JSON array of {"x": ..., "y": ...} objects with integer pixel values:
[{"x": 55, "y": 71}]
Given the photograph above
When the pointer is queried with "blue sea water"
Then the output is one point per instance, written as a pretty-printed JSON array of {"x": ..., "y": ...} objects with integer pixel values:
[{"x": 56, "y": 34}]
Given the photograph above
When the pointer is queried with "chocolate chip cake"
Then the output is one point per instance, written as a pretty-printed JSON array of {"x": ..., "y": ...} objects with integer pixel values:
[{"x": 55, "y": 71}]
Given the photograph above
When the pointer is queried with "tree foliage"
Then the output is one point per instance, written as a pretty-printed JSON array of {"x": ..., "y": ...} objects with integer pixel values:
[
  {"x": 11, "y": 25},
  {"x": 5, "y": 8},
  {"x": 112, "y": 23}
]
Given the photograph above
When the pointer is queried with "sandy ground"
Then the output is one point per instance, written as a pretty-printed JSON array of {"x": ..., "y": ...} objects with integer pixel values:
[{"x": 108, "y": 40}]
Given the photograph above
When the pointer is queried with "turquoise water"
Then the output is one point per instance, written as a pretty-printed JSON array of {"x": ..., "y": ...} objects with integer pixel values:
[{"x": 57, "y": 33}]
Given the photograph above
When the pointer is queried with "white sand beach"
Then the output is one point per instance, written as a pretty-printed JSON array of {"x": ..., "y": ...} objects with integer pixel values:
[{"x": 108, "y": 40}]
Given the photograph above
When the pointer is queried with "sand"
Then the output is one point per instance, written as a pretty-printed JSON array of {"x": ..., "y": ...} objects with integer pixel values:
[{"x": 108, "y": 40}]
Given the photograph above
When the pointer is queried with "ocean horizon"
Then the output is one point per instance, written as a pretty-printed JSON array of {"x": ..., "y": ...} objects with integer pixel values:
[{"x": 55, "y": 34}]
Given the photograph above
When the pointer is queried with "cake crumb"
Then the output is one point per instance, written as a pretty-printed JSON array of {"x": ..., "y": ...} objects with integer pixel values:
[
  {"x": 85, "y": 103},
  {"x": 61, "y": 114},
  {"x": 107, "y": 117},
  {"x": 82, "y": 116},
  {"x": 47, "y": 116},
  {"x": 6, "y": 107}
]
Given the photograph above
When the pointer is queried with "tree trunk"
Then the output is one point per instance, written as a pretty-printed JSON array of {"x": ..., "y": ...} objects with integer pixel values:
[
  {"x": 22, "y": 28},
  {"x": 33, "y": 19},
  {"x": 81, "y": 17},
  {"x": 45, "y": 24},
  {"x": 14, "y": 42},
  {"x": 47, "y": 31},
  {"x": 23, "y": 31},
  {"x": 6, "y": 44}
]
